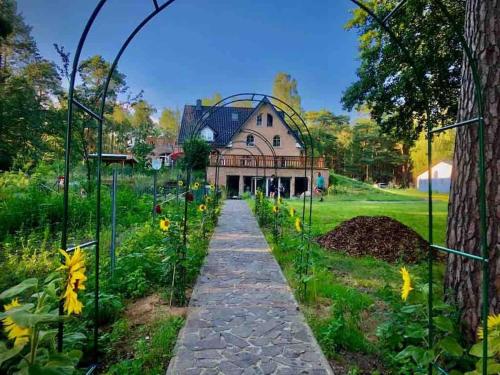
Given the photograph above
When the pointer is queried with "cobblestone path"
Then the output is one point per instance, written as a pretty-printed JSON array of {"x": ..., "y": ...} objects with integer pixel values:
[{"x": 243, "y": 318}]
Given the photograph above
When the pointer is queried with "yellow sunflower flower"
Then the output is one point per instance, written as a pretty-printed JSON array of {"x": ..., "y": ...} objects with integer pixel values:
[
  {"x": 280, "y": 200},
  {"x": 75, "y": 268},
  {"x": 202, "y": 208},
  {"x": 493, "y": 324},
  {"x": 208, "y": 199},
  {"x": 298, "y": 225},
  {"x": 292, "y": 212},
  {"x": 20, "y": 335},
  {"x": 180, "y": 183},
  {"x": 406, "y": 287},
  {"x": 196, "y": 186},
  {"x": 276, "y": 209},
  {"x": 164, "y": 224},
  {"x": 212, "y": 187}
]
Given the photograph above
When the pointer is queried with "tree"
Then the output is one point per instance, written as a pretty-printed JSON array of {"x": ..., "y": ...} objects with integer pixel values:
[
  {"x": 142, "y": 128},
  {"x": 169, "y": 123},
  {"x": 285, "y": 88},
  {"x": 332, "y": 137},
  {"x": 396, "y": 91},
  {"x": 374, "y": 155},
  {"x": 388, "y": 84},
  {"x": 217, "y": 97},
  {"x": 196, "y": 153},
  {"x": 28, "y": 87},
  {"x": 463, "y": 276}
]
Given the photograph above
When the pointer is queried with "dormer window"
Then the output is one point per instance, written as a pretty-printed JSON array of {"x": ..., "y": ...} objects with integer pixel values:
[
  {"x": 259, "y": 119},
  {"x": 207, "y": 134},
  {"x": 269, "y": 120},
  {"x": 234, "y": 116},
  {"x": 250, "y": 140}
]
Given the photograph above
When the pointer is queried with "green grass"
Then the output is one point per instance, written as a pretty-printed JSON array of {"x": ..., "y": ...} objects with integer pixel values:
[
  {"x": 348, "y": 297},
  {"x": 409, "y": 206}
]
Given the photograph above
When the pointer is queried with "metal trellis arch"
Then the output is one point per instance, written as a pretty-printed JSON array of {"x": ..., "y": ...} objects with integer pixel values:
[{"x": 383, "y": 21}]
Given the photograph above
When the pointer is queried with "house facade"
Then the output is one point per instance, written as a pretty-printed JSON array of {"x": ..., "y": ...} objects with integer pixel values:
[{"x": 250, "y": 145}]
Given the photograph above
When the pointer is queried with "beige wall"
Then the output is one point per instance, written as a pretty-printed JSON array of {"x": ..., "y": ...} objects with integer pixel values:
[
  {"x": 288, "y": 142},
  {"x": 253, "y": 172}
]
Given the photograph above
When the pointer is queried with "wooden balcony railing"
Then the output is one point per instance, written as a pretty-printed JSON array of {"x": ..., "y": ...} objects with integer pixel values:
[{"x": 281, "y": 162}]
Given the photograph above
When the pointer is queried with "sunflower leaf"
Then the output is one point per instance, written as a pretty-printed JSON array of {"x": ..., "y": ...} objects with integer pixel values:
[
  {"x": 19, "y": 288},
  {"x": 6, "y": 354}
]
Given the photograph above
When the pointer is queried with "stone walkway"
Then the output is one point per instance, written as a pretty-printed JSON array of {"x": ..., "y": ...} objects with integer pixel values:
[{"x": 243, "y": 318}]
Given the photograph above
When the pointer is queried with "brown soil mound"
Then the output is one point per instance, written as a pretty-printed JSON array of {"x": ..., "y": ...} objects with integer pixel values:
[
  {"x": 379, "y": 236},
  {"x": 149, "y": 308}
]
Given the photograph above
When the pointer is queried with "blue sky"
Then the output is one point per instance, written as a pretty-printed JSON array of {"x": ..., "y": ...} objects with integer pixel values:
[{"x": 197, "y": 47}]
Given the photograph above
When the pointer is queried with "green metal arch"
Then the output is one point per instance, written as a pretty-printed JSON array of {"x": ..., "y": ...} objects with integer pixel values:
[{"x": 479, "y": 100}]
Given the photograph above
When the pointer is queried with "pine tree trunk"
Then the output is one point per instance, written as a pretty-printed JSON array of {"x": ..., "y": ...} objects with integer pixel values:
[{"x": 464, "y": 276}]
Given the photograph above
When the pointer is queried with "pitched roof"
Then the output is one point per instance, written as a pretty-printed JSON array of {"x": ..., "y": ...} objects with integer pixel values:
[{"x": 221, "y": 121}]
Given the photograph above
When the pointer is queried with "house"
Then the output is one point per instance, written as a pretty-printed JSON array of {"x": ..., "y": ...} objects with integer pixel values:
[
  {"x": 441, "y": 178},
  {"x": 163, "y": 149},
  {"x": 250, "y": 145}
]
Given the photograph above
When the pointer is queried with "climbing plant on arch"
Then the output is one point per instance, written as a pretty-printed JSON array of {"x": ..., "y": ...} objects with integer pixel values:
[{"x": 384, "y": 20}]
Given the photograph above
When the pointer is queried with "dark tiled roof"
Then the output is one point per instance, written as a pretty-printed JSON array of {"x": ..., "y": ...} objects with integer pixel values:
[{"x": 221, "y": 121}]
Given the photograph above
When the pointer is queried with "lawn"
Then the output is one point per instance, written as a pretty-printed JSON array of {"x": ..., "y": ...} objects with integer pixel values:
[{"x": 347, "y": 297}]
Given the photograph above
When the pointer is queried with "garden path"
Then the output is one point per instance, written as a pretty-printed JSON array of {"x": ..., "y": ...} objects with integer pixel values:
[{"x": 243, "y": 318}]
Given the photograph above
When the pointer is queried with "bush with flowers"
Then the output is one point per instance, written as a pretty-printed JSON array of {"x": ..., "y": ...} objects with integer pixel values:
[
  {"x": 30, "y": 316},
  {"x": 404, "y": 335}
]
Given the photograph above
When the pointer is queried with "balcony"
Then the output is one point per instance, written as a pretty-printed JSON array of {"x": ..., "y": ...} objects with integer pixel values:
[{"x": 281, "y": 162}]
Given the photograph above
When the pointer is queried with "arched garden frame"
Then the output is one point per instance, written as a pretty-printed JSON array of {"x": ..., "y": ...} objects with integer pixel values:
[
  {"x": 384, "y": 22},
  {"x": 252, "y": 132}
]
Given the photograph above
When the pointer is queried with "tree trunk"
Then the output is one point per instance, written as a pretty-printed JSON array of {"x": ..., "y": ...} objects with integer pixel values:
[{"x": 463, "y": 280}]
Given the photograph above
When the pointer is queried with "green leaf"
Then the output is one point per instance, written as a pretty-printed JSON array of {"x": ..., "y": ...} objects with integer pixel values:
[
  {"x": 410, "y": 309},
  {"x": 6, "y": 354},
  {"x": 477, "y": 349},
  {"x": 451, "y": 346},
  {"x": 493, "y": 368},
  {"x": 415, "y": 331},
  {"x": 19, "y": 288},
  {"x": 28, "y": 319},
  {"x": 443, "y": 323}
]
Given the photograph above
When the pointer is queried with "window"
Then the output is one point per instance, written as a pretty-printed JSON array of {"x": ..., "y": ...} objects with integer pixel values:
[
  {"x": 250, "y": 140},
  {"x": 234, "y": 116},
  {"x": 269, "y": 120},
  {"x": 276, "y": 141},
  {"x": 259, "y": 119},
  {"x": 207, "y": 134}
]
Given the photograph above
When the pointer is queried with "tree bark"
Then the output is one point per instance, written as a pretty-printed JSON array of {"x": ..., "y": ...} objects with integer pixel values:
[{"x": 463, "y": 280}]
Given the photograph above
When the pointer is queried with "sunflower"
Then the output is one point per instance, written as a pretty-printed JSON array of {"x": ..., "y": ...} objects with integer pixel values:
[
  {"x": 280, "y": 200},
  {"x": 292, "y": 212},
  {"x": 276, "y": 209},
  {"x": 298, "y": 225},
  {"x": 164, "y": 224},
  {"x": 75, "y": 268},
  {"x": 212, "y": 187},
  {"x": 15, "y": 332},
  {"x": 208, "y": 199},
  {"x": 202, "y": 208},
  {"x": 493, "y": 325},
  {"x": 406, "y": 287},
  {"x": 196, "y": 186}
]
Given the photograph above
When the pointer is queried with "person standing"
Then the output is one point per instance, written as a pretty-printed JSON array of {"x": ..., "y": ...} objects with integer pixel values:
[{"x": 320, "y": 186}]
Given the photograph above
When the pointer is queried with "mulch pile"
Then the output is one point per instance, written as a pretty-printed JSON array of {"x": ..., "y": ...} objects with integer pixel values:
[{"x": 379, "y": 236}]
